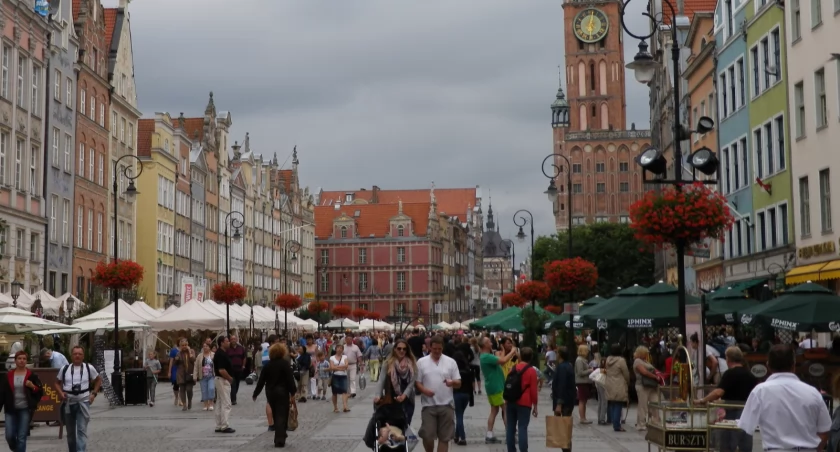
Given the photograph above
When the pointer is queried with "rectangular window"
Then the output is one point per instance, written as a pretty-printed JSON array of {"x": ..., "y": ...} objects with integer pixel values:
[
  {"x": 756, "y": 63},
  {"x": 762, "y": 232},
  {"x": 774, "y": 230},
  {"x": 730, "y": 26},
  {"x": 600, "y": 167},
  {"x": 4, "y": 84},
  {"x": 362, "y": 255},
  {"x": 775, "y": 37},
  {"x": 65, "y": 222},
  {"x": 80, "y": 226},
  {"x": 799, "y": 99},
  {"x": 783, "y": 223},
  {"x": 68, "y": 95},
  {"x": 68, "y": 152},
  {"x": 56, "y": 146},
  {"x": 363, "y": 281},
  {"x": 99, "y": 232},
  {"x": 34, "y": 240},
  {"x": 4, "y": 145},
  {"x": 91, "y": 164},
  {"x": 733, "y": 89},
  {"x": 624, "y": 167},
  {"x": 82, "y": 100},
  {"x": 131, "y": 134},
  {"x": 92, "y": 108},
  {"x": 102, "y": 114},
  {"x": 825, "y": 200},
  {"x": 737, "y": 236},
  {"x": 19, "y": 151},
  {"x": 35, "y": 101},
  {"x": 765, "y": 59},
  {"x": 100, "y": 176},
  {"x": 736, "y": 170},
  {"x": 400, "y": 254},
  {"x": 114, "y": 123},
  {"x": 576, "y": 168},
  {"x": 820, "y": 100},
  {"x": 400, "y": 281},
  {"x": 19, "y": 242},
  {"x": 816, "y": 13},
  {"x": 745, "y": 168},
  {"x": 81, "y": 170},
  {"x": 804, "y": 207},
  {"x": 325, "y": 258},
  {"x": 779, "y": 126},
  {"x": 725, "y": 104},
  {"x": 742, "y": 88},
  {"x": 726, "y": 182},
  {"x": 57, "y": 85},
  {"x": 122, "y": 134},
  {"x": 4, "y": 238},
  {"x": 21, "y": 73},
  {"x": 577, "y": 188},
  {"x": 325, "y": 282},
  {"x": 759, "y": 161},
  {"x": 90, "y": 230},
  {"x": 53, "y": 220},
  {"x": 768, "y": 149},
  {"x": 601, "y": 187},
  {"x": 33, "y": 171},
  {"x": 796, "y": 20},
  {"x": 624, "y": 187}
]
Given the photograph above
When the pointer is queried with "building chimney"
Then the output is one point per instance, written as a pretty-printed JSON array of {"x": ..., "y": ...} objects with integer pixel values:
[{"x": 374, "y": 198}]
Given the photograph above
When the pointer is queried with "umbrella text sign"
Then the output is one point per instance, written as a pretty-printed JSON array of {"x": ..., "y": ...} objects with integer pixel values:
[{"x": 639, "y": 323}]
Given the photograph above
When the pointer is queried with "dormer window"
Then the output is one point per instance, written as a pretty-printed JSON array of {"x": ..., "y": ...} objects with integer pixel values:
[
  {"x": 348, "y": 197},
  {"x": 344, "y": 232},
  {"x": 400, "y": 231}
]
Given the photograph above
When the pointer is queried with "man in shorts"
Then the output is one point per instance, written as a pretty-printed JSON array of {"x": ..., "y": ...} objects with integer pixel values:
[
  {"x": 494, "y": 383},
  {"x": 437, "y": 375}
]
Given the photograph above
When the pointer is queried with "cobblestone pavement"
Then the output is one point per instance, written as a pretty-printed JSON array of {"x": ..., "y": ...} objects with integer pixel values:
[{"x": 166, "y": 427}]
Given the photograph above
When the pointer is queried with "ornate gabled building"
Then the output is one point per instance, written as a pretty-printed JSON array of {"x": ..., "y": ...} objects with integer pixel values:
[{"x": 498, "y": 265}]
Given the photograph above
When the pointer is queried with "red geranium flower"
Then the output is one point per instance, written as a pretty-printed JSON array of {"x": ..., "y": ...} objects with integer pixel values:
[
  {"x": 568, "y": 275},
  {"x": 513, "y": 299},
  {"x": 554, "y": 309},
  {"x": 118, "y": 274},
  {"x": 341, "y": 310},
  {"x": 534, "y": 290},
  {"x": 359, "y": 314},
  {"x": 229, "y": 293},
  {"x": 316, "y": 307},
  {"x": 374, "y": 315},
  {"x": 288, "y": 302}
]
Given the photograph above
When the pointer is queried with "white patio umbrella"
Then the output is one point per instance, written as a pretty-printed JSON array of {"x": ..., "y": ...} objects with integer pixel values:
[
  {"x": 376, "y": 325},
  {"x": 19, "y": 323},
  {"x": 458, "y": 326},
  {"x": 346, "y": 324},
  {"x": 100, "y": 324},
  {"x": 15, "y": 311}
]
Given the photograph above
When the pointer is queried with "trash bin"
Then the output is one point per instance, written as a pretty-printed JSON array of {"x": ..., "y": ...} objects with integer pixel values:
[{"x": 135, "y": 387}]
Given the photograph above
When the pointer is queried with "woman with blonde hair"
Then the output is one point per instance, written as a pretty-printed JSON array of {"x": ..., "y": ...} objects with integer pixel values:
[
  {"x": 280, "y": 388},
  {"x": 582, "y": 381},
  {"x": 647, "y": 385},
  {"x": 399, "y": 372}
]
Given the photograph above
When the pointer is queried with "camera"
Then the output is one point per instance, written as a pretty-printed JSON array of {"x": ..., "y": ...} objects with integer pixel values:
[{"x": 77, "y": 388}]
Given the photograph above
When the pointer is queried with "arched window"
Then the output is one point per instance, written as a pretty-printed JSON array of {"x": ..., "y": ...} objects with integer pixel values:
[
  {"x": 344, "y": 232},
  {"x": 583, "y": 117},
  {"x": 592, "y": 76},
  {"x": 602, "y": 76},
  {"x": 605, "y": 117},
  {"x": 581, "y": 81},
  {"x": 400, "y": 231}
]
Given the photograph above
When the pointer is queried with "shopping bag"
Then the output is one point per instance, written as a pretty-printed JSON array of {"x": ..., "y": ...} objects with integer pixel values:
[
  {"x": 292, "y": 424},
  {"x": 558, "y": 432}
]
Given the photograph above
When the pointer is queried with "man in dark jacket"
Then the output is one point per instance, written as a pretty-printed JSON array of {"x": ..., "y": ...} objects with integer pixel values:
[
  {"x": 280, "y": 388},
  {"x": 563, "y": 390}
]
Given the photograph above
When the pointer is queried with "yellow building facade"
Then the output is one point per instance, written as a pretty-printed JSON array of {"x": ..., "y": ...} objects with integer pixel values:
[{"x": 156, "y": 208}]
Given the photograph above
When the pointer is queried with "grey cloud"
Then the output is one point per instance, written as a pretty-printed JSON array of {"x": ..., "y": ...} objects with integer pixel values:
[{"x": 395, "y": 94}]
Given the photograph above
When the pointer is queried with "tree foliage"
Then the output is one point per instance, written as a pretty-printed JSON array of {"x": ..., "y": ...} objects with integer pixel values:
[{"x": 621, "y": 259}]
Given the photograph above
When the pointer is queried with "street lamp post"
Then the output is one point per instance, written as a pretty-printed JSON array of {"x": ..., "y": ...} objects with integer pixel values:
[
  {"x": 552, "y": 194},
  {"x": 130, "y": 193},
  {"x": 703, "y": 159},
  {"x": 521, "y": 221},
  {"x": 292, "y": 246},
  {"x": 16, "y": 286},
  {"x": 236, "y": 220}
]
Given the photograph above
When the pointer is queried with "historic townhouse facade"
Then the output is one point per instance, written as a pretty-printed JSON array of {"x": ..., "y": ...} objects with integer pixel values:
[
  {"x": 183, "y": 206},
  {"x": 59, "y": 183},
  {"x": 156, "y": 226},
  {"x": 813, "y": 78},
  {"x": 22, "y": 122},
  {"x": 92, "y": 138},
  {"x": 236, "y": 249},
  {"x": 123, "y": 125},
  {"x": 198, "y": 204}
]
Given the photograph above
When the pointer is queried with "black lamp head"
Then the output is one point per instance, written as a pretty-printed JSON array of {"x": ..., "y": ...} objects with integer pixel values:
[
  {"x": 652, "y": 160},
  {"x": 704, "y": 160}
]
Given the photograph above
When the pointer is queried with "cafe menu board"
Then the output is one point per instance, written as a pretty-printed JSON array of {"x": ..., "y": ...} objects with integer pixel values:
[{"x": 48, "y": 407}]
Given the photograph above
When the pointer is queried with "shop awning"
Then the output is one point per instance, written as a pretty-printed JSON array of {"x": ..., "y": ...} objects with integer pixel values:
[
  {"x": 746, "y": 285},
  {"x": 803, "y": 273},
  {"x": 830, "y": 271}
]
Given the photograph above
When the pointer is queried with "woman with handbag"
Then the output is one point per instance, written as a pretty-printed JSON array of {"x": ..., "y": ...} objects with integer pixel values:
[
  {"x": 399, "y": 373},
  {"x": 582, "y": 381},
  {"x": 599, "y": 378},
  {"x": 20, "y": 393},
  {"x": 616, "y": 385},
  {"x": 647, "y": 386},
  {"x": 280, "y": 389},
  {"x": 205, "y": 376},
  {"x": 184, "y": 375}
]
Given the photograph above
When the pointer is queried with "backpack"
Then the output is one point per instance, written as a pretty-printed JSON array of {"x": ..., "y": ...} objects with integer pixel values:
[{"x": 513, "y": 385}]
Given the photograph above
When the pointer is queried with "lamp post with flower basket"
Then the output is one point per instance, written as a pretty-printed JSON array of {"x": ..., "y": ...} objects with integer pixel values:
[
  {"x": 316, "y": 308},
  {"x": 532, "y": 291},
  {"x": 571, "y": 275},
  {"x": 287, "y": 302},
  {"x": 236, "y": 220},
  {"x": 229, "y": 293}
]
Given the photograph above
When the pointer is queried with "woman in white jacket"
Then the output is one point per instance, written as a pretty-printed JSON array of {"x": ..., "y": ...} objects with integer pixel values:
[{"x": 598, "y": 378}]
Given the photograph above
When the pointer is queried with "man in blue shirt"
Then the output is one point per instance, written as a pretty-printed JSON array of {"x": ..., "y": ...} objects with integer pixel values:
[
  {"x": 172, "y": 369},
  {"x": 56, "y": 359}
]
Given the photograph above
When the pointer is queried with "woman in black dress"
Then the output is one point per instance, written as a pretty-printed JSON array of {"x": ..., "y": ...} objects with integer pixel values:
[{"x": 279, "y": 382}]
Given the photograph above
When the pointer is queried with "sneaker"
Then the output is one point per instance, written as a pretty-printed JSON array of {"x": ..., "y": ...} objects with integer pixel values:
[
  {"x": 211, "y": 408},
  {"x": 227, "y": 430},
  {"x": 270, "y": 428},
  {"x": 491, "y": 440}
]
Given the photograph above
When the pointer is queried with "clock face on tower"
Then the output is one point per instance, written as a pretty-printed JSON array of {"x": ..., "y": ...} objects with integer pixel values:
[{"x": 591, "y": 25}]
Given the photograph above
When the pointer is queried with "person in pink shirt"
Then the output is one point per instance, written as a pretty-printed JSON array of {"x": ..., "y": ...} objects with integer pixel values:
[{"x": 520, "y": 410}]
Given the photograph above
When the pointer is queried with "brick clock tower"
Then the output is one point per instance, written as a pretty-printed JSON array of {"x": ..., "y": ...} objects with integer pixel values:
[{"x": 590, "y": 126}]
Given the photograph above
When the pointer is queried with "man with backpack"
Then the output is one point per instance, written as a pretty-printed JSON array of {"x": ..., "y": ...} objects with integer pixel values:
[
  {"x": 521, "y": 397},
  {"x": 77, "y": 385}
]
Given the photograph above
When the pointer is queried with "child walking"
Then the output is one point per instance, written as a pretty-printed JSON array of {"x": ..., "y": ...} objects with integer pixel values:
[{"x": 322, "y": 371}]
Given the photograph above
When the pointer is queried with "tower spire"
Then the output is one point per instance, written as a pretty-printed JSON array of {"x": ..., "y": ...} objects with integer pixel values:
[
  {"x": 491, "y": 225},
  {"x": 560, "y": 106}
]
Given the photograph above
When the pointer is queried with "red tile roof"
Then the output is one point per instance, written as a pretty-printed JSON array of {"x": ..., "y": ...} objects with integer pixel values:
[
  {"x": 372, "y": 219},
  {"x": 454, "y": 202},
  {"x": 285, "y": 177},
  {"x": 691, "y": 8},
  {"x": 145, "y": 129},
  {"x": 110, "y": 23},
  {"x": 192, "y": 126}
]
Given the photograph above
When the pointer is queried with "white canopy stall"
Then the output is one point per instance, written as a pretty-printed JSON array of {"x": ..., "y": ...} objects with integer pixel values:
[
  {"x": 375, "y": 325},
  {"x": 193, "y": 315}
]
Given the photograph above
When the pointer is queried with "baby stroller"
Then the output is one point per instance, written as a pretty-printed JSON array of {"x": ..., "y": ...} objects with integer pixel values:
[{"x": 391, "y": 414}]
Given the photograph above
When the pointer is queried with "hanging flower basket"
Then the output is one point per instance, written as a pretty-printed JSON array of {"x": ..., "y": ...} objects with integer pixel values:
[
  {"x": 229, "y": 293},
  {"x": 317, "y": 307},
  {"x": 341, "y": 310},
  {"x": 288, "y": 302},
  {"x": 513, "y": 299},
  {"x": 569, "y": 275},
  {"x": 556, "y": 310},
  {"x": 533, "y": 290},
  {"x": 120, "y": 274},
  {"x": 374, "y": 315},
  {"x": 360, "y": 313},
  {"x": 686, "y": 215}
]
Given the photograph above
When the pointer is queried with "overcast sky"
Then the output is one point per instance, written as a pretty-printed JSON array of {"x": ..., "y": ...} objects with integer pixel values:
[{"x": 392, "y": 93}]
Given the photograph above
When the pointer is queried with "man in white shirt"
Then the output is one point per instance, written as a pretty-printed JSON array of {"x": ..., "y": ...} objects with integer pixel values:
[
  {"x": 77, "y": 385},
  {"x": 437, "y": 375},
  {"x": 790, "y": 413},
  {"x": 354, "y": 357}
]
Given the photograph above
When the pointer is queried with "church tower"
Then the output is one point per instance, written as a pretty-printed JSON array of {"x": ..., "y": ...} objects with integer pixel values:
[{"x": 589, "y": 120}]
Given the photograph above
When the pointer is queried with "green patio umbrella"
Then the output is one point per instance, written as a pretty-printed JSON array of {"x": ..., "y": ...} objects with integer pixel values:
[
  {"x": 564, "y": 320},
  {"x": 806, "y": 307},
  {"x": 723, "y": 306},
  {"x": 590, "y": 303},
  {"x": 657, "y": 307},
  {"x": 514, "y": 323},
  {"x": 481, "y": 323},
  {"x": 594, "y": 316}
]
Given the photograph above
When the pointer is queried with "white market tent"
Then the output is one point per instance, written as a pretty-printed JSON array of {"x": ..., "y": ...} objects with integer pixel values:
[
  {"x": 127, "y": 312},
  {"x": 99, "y": 324},
  {"x": 193, "y": 315},
  {"x": 142, "y": 306},
  {"x": 238, "y": 319},
  {"x": 309, "y": 325},
  {"x": 346, "y": 324},
  {"x": 458, "y": 326},
  {"x": 370, "y": 324}
]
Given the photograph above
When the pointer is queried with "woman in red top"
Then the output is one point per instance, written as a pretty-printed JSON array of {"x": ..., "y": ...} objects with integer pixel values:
[{"x": 518, "y": 414}]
